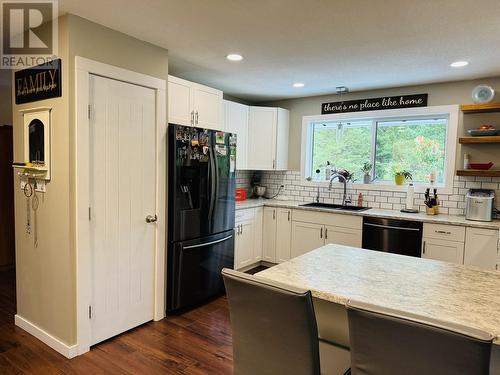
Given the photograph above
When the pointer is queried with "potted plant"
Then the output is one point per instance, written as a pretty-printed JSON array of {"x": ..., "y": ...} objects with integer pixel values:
[
  {"x": 366, "y": 169},
  {"x": 400, "y": 177}
]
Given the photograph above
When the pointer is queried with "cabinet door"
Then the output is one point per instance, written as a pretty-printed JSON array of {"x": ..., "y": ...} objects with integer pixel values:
[
  {"x": 179, "y": 101},
  {"x": 283, "y": 234},
  {"x": 269, "y": 235},
  {"x": 245, "y": 235},
  {"x": 481, "y": 248},
  {"x": 343, "y": 236},
  {"x": 208, "y": 107},
  {"x": 262, "y": 138},
  {"x": 236, "y": 121},
  {"x": 448, "y": 251},
  {"x": 282, "y": 136},
  {"x": 306, "y": 237},
  {"x": 257, "y": 246}
]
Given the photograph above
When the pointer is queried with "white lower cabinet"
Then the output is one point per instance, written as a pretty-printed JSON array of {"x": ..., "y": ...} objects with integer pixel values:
[
  {"x": 269, "y": 235},
  {"x": 306, "y": 237},
  {"x": 343, "y": 236},
  {"x": 244, "y": 244},
  {"x": 283, "y": 234},
  {"x": 259, "y": 225},
  {"x": 447, "y": 251},
  {"x": 481, "y": 248},
  {"x": 311, "y": 230},
  {"x": 248, "y": 237}
]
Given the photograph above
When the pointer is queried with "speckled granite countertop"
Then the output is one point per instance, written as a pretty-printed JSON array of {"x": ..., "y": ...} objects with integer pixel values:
[
  {"x": 374, "y": 212},
  {"x": 440, "y": 290}
]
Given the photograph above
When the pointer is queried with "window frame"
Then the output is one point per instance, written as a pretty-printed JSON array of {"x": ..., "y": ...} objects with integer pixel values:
[{"x": 449, "y": 111}]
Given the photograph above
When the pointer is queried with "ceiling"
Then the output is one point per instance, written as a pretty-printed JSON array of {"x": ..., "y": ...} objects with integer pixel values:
[{"x": 362, "y": 44}]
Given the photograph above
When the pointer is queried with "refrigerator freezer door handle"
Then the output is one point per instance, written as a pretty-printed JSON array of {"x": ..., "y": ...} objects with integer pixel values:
[
  {"x": 213, "y": 184},
  {"x": 208, "y": 243}
]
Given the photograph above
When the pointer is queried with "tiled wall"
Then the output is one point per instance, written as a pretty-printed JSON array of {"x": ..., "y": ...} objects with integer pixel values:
[{"x": 453, "y": 204}]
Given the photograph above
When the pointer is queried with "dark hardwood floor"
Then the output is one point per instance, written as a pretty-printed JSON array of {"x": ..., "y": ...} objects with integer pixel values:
[{"x": 196, "y": 342}]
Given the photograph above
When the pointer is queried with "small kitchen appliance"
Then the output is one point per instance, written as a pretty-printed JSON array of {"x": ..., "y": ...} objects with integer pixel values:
[{"x": 479, "y": 205}]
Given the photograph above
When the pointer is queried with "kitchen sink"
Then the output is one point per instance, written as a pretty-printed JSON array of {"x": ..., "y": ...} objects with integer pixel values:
[{"x": 335, "y": 207}]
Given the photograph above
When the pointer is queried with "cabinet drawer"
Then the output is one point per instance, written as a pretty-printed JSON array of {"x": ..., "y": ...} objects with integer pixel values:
[
  {"x": 326, "y": 218},
  {"x": 444, "y": 232},
  {"x": 244, "y": 214}
]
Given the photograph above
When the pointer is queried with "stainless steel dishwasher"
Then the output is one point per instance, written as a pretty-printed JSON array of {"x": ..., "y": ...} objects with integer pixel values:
[{"x": 392, "y": 236}]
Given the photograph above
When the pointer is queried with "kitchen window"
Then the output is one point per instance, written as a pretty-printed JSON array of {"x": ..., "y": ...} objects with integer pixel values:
[{"x": 419, "y": 140}]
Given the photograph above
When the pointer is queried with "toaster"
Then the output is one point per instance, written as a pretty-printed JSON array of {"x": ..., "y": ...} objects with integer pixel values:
[{"x": 479, "y": 204}]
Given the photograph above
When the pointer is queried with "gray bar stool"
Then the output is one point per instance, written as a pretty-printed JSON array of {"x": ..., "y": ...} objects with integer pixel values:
[
  {"x": 389, "y": 342},
  {"x": 274, "y": 327}
]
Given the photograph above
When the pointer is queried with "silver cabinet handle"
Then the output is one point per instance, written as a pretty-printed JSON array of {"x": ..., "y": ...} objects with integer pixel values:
[
  {"x": 442, "y": 232},
  {"x": 423, "y": 250},
  {"x": 241, "y": 228},
  {"x": 321, "y": 233},
  {"x": 151, "y": 219},
  {"x": 326, "y": 233},
  {"x": 274, "y": 214},
  {"x": 288, "y": 215},
  {"x": 192, "y": 118},
  {"x": 197, "y": 117},
  {"x": 274, "y": 164}
]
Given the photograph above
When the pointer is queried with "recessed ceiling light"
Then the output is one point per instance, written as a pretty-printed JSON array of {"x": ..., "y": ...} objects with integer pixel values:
[
  {"x": 459, "y": 64},
  {"x": 234, "y": 57},
  {"x": 298, "y": 84}
]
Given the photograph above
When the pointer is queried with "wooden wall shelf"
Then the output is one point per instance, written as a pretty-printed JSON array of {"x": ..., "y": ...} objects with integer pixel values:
[
  {"x": 477, "y": 172},
  {"x": 480, "y": 108},
  {"x": 483, "y": 139}
]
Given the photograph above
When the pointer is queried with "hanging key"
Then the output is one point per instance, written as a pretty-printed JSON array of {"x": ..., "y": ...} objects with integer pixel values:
[
  {"x": 28, "y": 192},
  {"x": 34, "y": 204}
]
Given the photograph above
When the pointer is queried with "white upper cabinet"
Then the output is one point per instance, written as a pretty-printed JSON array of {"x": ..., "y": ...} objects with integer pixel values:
[
  {"x": 282, "y": 136},
  {"x": 236, "y": 121},
  {"x": 262, "y": 126},
  {"x": 192, "y": 104},
  {"x": 179, "y": 101},
  {"x": 268, "y": 130}
]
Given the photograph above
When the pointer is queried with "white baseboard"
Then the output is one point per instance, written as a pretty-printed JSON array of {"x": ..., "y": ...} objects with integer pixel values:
[{"x": 47, "y": 338}]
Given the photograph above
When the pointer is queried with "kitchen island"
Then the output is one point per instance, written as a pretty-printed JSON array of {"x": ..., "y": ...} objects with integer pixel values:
[{"x": 440, "y": 290}]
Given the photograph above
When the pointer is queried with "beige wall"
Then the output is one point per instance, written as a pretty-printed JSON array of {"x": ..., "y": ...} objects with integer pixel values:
[
  {"x": 439, "y": 94},
  {"x": 46, "y": 276},
  {"x": 5, "y": 97},
  {"x": 45, "y": 281}
]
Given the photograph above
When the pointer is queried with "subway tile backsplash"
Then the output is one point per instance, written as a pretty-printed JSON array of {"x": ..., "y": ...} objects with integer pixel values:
[{"x": 453, "y": 204}]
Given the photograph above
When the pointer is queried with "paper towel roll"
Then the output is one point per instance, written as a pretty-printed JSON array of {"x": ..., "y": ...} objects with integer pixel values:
[{"x": 409, "y": 197}]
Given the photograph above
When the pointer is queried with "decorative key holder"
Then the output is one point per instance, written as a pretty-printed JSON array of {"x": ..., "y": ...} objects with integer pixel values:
[{"x": 34, "y": 171}]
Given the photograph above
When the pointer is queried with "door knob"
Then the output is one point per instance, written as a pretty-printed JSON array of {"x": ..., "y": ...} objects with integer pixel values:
[{"x": 151, "y": 219}]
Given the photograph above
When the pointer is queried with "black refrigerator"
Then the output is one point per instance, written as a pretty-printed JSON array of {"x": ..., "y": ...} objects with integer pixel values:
[{"x": 201, "y": 204}]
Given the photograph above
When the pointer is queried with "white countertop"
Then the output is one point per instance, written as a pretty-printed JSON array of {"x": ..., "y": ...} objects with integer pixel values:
[
  {"x": 439, "y": 290},
  {"x": 374, "y": 212}
]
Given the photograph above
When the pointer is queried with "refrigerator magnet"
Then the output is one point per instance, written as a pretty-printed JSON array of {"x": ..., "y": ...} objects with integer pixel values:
[
  {"x": 219, "y": 138},
  {"x": 221, "y": 150}
]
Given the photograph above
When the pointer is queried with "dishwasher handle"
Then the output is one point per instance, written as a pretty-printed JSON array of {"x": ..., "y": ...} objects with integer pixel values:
[{"x": 392, "y": 227}]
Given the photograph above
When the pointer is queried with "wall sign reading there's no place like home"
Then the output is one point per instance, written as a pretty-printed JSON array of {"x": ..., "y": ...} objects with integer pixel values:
[{"x": 374, "y": 104}]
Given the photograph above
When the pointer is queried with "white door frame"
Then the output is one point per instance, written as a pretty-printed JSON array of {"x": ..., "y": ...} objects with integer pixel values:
[{"x": 83, "y": 69}]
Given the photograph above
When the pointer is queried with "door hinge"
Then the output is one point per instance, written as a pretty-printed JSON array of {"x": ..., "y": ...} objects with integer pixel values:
[
  {"x": 90, "y": 312},
  {"x": 90, "y": 213},
  {"x": 89, "y": 111}
]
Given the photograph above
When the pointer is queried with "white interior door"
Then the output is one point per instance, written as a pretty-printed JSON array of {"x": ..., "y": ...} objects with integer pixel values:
[{"x": 122, "y": 194}]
